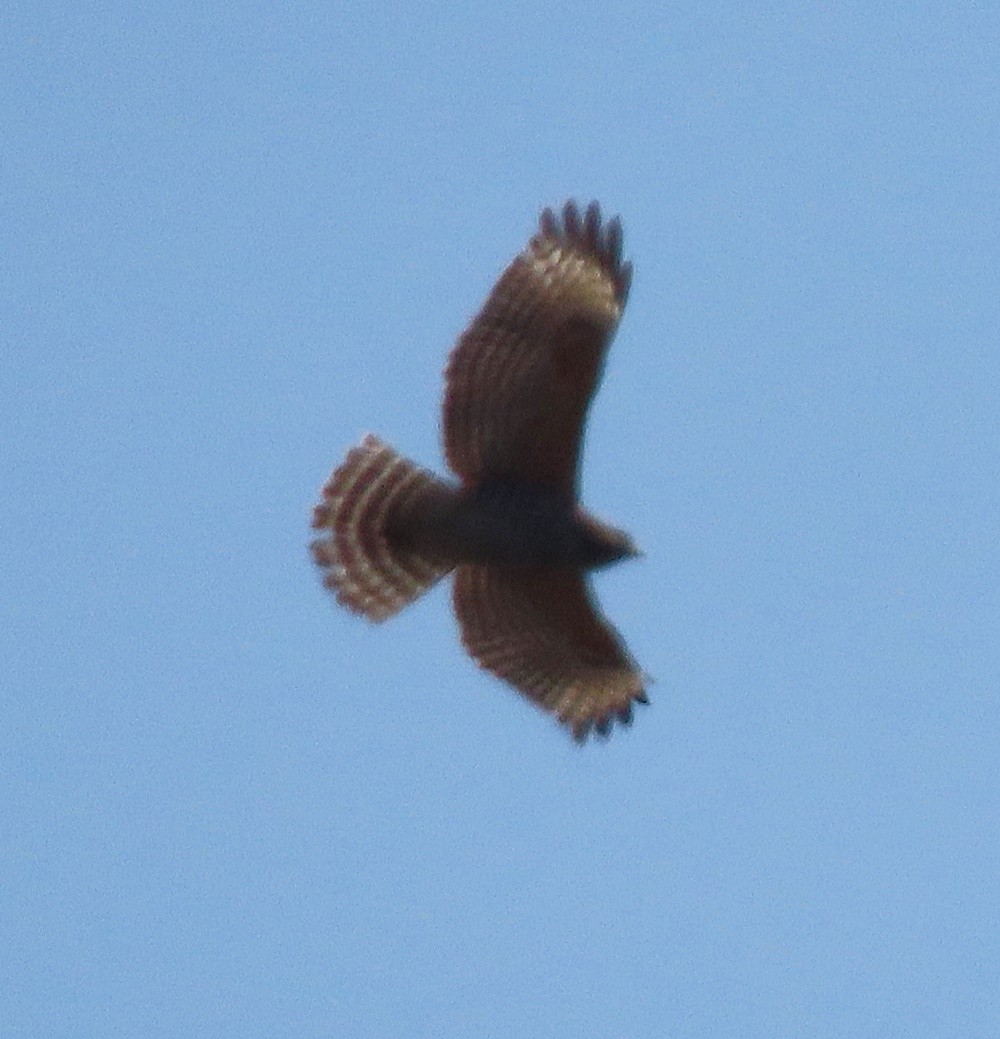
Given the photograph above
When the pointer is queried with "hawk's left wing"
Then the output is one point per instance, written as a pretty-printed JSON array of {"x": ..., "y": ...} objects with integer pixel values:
[{"x": 540, "y": 630}]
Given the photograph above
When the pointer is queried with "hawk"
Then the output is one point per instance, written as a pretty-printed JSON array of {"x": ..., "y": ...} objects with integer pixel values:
[{"x": 512, "y": 529}]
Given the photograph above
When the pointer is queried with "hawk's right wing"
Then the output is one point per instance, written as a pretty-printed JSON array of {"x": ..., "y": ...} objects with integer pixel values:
[
  {"x": 522, "y": 375},
  {"x": 540, "y": 630}
]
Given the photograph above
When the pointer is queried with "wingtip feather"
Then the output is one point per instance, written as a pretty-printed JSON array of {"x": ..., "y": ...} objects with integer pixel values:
[{"x": 602, "y": 240}]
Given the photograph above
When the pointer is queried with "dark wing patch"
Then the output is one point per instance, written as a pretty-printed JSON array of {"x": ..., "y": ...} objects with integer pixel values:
[
  {"x": 541, "y": 631},
  {"x": 520, "y": 380}
]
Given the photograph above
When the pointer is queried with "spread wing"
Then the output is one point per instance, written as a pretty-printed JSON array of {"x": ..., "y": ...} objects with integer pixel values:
[
  {"x": 540, "y": 630},
  {"x": 521, "y": 377}
]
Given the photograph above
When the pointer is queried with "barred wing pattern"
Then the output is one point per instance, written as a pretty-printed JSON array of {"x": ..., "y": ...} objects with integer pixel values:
[
  {"x": 521, "y": 377},
  {"x": 540, "y": 630}
]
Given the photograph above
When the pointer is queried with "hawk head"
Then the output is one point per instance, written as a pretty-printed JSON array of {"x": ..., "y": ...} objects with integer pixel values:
[{"x": 602, "y": 543}]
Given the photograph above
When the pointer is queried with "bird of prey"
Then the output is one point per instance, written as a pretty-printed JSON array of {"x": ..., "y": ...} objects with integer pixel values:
[{"x": 511, "y": 528}]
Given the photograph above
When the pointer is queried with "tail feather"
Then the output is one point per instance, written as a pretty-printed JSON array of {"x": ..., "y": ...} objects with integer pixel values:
[{"x": 365, "y": 503}]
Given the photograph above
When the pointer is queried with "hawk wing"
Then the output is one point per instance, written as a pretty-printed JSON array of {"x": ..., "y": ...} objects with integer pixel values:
[
  {"x": 540, "y": 630},
  {"x": 519, "y": 381}
]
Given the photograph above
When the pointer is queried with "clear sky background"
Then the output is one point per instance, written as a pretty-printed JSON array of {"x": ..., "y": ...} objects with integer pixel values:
[{"x": 238, "y": 236}]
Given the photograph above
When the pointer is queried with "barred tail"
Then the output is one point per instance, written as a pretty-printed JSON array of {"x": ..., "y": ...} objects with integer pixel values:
[{"x": 369, "y": 505}]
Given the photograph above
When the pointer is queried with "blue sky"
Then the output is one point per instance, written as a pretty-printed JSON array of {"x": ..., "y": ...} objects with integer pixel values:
[{"x": 236, "y": 238}]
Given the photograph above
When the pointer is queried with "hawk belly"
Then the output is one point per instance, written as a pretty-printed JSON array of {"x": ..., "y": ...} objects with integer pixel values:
[{"x": 520, "y": 524}]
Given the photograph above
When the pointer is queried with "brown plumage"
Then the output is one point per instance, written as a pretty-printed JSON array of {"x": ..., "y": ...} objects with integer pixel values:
[{"x": 518, "y": 385}]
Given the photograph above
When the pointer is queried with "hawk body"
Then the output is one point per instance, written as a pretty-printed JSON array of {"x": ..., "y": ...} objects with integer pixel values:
[
  {"x": 518, "y": 385},
  {"x": 502, "y": 521}
]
